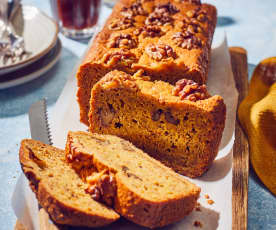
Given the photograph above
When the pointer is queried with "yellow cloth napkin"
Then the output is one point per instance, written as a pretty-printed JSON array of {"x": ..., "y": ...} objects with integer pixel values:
[{"x": 257, "y": 115}]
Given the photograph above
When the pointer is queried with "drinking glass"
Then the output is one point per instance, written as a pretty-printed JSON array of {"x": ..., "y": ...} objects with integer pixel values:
[{"x": 77, "y": 19}]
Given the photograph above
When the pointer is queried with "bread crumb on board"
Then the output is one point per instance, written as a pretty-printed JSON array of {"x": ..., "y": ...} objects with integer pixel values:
[
  {"x": 209, "y": 201},
  {"x": 197, "y": 207},
  {"x": 198, "y": 224}
]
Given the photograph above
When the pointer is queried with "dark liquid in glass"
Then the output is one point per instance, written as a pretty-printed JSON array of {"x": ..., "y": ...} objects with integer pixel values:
[{"x": 78, "y": 14}]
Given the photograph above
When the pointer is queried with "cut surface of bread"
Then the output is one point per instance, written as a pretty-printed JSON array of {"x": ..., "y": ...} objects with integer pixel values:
[
  {"x": 165, "y": 38},
  {"x": 147, "y": 192},
  {"x": 183, "y": 134},
  {"x": 58, "y": 188}
]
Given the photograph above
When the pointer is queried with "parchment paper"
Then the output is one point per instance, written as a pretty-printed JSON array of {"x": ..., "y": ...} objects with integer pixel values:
[{"x": 217, "y": 182}]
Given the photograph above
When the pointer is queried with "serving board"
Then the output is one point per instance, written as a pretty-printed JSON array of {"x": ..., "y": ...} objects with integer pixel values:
[{"x": 240, "y": 155}]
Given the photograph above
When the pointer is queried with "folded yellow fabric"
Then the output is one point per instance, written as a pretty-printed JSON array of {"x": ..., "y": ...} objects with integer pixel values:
[{"x": 257, "y": 114}]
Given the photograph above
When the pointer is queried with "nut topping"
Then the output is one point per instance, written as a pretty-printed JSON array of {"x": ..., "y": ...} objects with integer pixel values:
[
  {"x": 192, "y": 25},
  {"x": 161, "y": 15},
  {"x": 187, "y": 40},
  {"x": 121, "y": 23},
  {"x": 160, "y": 51},
  {"x": 190, "y": 90},
  {"x": 198, "y": 14},
  {"x": 196, "y": 2},
  {"x": 134, "y": 10},
  {"x": 167, "y": 8},
  {"x": 122, "y": 41},
  {"x": 149, "y": 31},
  {"x": 121, "y": 57}
]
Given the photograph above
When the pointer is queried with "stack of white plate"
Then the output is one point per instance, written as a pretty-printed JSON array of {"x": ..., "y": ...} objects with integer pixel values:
[{"x": 43, "y": 48}]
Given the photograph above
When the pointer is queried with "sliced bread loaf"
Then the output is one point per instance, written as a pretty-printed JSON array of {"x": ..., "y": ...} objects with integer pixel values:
[
  {"x": 181, "y": 125},
  {"x": 58, "y": 188},
  {"x": 139, "y": 187}
]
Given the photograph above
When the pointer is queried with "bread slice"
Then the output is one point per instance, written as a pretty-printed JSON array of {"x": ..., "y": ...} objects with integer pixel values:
[
  {"x": 146, "y": 192},
  {"x": 183, "y": 134},
  {"x": 59, "y": 189}
]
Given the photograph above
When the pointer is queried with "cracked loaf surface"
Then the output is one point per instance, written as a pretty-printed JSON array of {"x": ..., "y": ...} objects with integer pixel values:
[
  {"x": 124, "y": 177},
  {"x": 168, "y": 39},
  {"x": 180, "y": 125}
]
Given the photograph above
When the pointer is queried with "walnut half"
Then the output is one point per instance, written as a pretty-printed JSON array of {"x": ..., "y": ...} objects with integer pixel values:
[
  {"x": 162, "y": 15},
  {"x": 122, "y": 57},
  {"x": 122, "y": 41},
  {"x": 121, "y": 23},
  {"x": 187, "y": 40},
  {"x": 190, "y": 90},
  {"x": 160, "y": 51}
]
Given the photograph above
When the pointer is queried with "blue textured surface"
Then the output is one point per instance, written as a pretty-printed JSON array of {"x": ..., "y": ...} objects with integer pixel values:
[{"x": 248, "y": 23}]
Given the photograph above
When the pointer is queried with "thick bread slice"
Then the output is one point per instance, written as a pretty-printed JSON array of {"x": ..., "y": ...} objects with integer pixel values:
[
  {"x": 59, "y": 189},
  {"x": 147, "y": 192}
]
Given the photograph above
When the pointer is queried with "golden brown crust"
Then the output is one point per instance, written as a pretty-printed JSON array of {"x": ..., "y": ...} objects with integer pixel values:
[
  {"x": 109, "y": 153},
  {"x": 60, "y": 211},
  {"x": 182, "y": 39},
  {"x": 183, "y": 134},
  {"x": 152, "y": 214}
]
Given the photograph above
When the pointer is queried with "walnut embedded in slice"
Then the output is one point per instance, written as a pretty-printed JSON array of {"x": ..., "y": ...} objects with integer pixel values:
[
  {"x": 106, "y": 115},
  {"x": 122, "y": 41},
  {"x": 102, "y": 187},
  {"x": 190, "y": 90},
  {"x": 160, "y": 51},
  {"x": 170, "y": 118},
  {"x": 155, "y": 116}
]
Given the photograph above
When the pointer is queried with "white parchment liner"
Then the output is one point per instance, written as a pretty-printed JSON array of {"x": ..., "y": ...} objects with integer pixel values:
[{"x": 217, "y": 182}]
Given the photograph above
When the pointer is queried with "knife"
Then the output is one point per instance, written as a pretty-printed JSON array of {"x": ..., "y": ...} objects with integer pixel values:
[
  {"x": 26, "y": 209},
  {"x": 40, "y": 130},
  {"x": 39, "y": 126}
]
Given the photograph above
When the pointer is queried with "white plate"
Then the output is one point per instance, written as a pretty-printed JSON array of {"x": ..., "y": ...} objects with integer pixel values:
[
  {"x": 39, "y": 33},
  {"x": 32, "y": 71}
]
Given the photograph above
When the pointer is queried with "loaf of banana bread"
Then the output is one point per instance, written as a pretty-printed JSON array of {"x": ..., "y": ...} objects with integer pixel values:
[
  {"x": 179, "y": 125},
  {"x": 166, "y": 38}
]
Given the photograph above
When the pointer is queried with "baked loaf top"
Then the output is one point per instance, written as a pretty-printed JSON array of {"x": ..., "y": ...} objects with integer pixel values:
[
  {"x": 59, "y": 189},
  {"x": 147, "y": 192},
  {"x": 167, "y": 39},
  {"x": 185, "y": 93},
  {"x": 157, "y": 35},
  {"x": 180, "y": 125}
]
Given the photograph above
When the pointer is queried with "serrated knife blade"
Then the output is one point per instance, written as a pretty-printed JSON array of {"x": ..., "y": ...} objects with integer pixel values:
[
  {"x": 39, "y": 126},
  {"x": 40, "y": 130}
]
